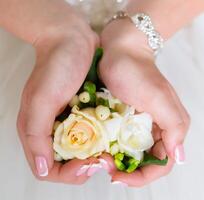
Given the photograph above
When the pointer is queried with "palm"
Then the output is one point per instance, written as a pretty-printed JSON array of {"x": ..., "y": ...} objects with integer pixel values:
[{"x": 136, "y": 81}]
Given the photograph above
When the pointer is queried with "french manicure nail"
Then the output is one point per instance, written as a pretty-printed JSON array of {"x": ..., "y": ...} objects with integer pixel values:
[
  {"x": 82, "y": 170},
  {"x": 41, "y": 166},
  {"x": 104, "y": 164},
  {"x": 119, "y": 183},
  {"x": 93, "y": 169},
  {"x": 179, "y": 154}
]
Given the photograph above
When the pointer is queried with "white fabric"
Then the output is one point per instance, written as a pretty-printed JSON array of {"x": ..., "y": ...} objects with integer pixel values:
[
  {"x": 98, "y": 12},
  {"x": 182, "y": 63}
]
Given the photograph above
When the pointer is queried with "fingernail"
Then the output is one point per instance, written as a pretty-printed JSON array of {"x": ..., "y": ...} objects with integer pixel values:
[
  {"x": 119, "y": 183},
  {"x": 82, "y": 170},
  {"x": 93, "y": 169},
  {"x": 41, "y": 166},
  {"x": 104, "y": 164},
  {"x": 179, "y": 154}
]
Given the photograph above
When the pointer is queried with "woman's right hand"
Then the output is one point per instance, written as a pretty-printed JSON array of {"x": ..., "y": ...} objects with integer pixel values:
[
  {"x": 128, "y": 70},
  {"x": 63, "y": 60}
]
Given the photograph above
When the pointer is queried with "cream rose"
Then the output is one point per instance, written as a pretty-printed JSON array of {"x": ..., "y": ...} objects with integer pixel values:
[
  {"x": 80, "y": 136},
  {"x": 132, "y": 133}
]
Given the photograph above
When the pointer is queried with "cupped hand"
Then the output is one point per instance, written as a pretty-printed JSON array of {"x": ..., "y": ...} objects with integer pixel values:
[
  {"x": 63, "y": 57},
  {"x": 129, "y": 72}
]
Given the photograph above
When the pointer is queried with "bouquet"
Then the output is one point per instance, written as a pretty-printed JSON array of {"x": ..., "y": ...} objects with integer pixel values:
[{"x": 95, "y": 122}]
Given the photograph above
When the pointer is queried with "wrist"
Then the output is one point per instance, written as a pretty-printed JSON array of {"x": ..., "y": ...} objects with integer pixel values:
[
  {"x": 166, "y": 22},
  {"x": 122, "y": 34},
  {"x": 71, "y": 26},
  {"x": 76, "y": 32},
  {"x": 30, "y": 21}
]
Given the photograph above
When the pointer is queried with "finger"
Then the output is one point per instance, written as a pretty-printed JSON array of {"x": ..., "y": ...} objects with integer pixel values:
[
  {"x": 146, "y": 174},
  {"x": 78, "y": 171},
  {"x": 107, "y": 162},
  {"x": 184, "y": 113},
  {"x": 73, "y": 172},
  {"x": 156, "y": 132},
  {"x": 35, "y": 122},
  {"x": 142, "y": 176},
  {"x": 158, "y": 150}
]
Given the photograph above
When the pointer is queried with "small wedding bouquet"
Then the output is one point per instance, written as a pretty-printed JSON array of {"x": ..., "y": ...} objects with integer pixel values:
[{"x": 95, "y": 122}]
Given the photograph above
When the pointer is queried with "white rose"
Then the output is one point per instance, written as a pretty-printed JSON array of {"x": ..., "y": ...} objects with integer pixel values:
[
  {"x": 132, "y": 133},
  {"x": 80, "y": 136}
]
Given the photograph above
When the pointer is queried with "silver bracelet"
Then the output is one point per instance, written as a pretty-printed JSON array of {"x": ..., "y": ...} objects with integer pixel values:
[{"x": 143, "y": 23}]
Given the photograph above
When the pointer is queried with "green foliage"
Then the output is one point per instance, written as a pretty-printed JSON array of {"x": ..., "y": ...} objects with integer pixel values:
[
  {"x": 133, "y": 164},
  {"x": 61, "y": 117},
  {"x": 119, "y": 156},
  {"x": 92, "y": 74},
  {"x": 120, "y": 166},
  {"x": 103, "y": 102},
  {"x": 129, "y": 164},
  {"x": 89, "y": 87},
  {"x": 152, "y": 160}
]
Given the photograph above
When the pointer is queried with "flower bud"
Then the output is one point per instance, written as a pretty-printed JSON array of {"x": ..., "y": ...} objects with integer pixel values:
[
  {"x": 74, "y": 101},
  {"x": 84, "y": 97},
  {"x": 119, "y": 165},
  {"x": 102, "y": 112},
  {"x": 133, "y": 164}
]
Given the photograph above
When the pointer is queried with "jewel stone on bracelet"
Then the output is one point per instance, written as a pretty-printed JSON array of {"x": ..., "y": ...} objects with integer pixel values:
[
  {"x": 155, "y": 40},
  {"x": 143, "y": 22}
]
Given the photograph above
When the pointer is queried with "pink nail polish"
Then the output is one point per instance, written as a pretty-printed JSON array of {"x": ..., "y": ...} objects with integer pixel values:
[
  {"x": 119, "y": 183},
  {"x": 93, "y": 169},
  {"x": 82, "y": 170},
  {"x": 179, "y": 154},
  {"x": 104, "y": 164},
  {"x": 41, "y": 166}
]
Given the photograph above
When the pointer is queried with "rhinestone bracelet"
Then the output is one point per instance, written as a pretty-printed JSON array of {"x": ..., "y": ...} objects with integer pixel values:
[{"x": 143, "y": 23}]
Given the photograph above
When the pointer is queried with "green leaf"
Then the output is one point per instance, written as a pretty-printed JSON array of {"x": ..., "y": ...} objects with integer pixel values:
[
  {"x": 64, "y": 115},
  {"x": 113, "y": 142},
  {"x": 152, "y": 160},
  {"x": 103, "y": 102},
  {"x": 92, "y": 74},
  {"x": 92, "y": 102},
  {"x": 112, "y": 110}
]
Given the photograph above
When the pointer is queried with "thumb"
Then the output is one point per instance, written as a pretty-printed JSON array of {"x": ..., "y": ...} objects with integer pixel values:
[{"x": 35, "y": 121}]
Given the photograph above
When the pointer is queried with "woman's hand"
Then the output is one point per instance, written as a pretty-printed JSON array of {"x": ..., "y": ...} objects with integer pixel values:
[
  {"x": 129, "y": 72},
  {"x": 63, "y": 60}
]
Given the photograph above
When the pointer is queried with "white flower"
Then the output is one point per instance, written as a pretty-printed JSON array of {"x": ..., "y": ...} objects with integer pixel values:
[
  {"x": 132, "y": 133},
  {"x": 80, "y": 136}
]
